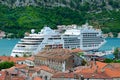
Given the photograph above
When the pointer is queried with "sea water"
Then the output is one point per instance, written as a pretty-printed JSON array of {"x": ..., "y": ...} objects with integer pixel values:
[
  {"x": 111, "y": 43},
  {"x": 6, "y": 45}
]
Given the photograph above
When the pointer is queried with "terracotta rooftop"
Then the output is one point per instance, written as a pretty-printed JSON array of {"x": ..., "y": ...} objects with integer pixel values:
[
  {"x": 45, "y": 68},
  {"x": 11, "y": 70},
  {"x": 2, "y": 75},
  {"x": 13, "y": 59},
  {"x": 99, "y": 64},
  {"x": 112, "y": 73},
  {"x": 4, "y": 58},
  {"x": 37, "y": 78},
  {"x": 21, "y": 66},
  {"x": 65, "y": 75},
  {"x": 95, "y": 75},
  {"x": 20, "y": 59},
  {"x": 96, "y": 70},
  {"x": 18, "y": 78},
  {"x": 35, "y": 69},
  {"x": 59, "y": 54},
  {"x": 115, "y": 65},
  {"x": 100, "y": 69},
  {"x": 77, "y": 50},
  {"x": 30, "y": 58}
]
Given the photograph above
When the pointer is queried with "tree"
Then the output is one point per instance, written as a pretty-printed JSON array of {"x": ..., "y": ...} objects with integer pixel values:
[
  {"x": 6, "y": 64},
  {"x": 116, "y": 53},
  {"x": 80, "y": 53},
  {"x": 108, "y": 60},
  {"x": 16, "y": 55},
  {"x": 25, "y": 55},
  {"x": 83, "y": 62}
]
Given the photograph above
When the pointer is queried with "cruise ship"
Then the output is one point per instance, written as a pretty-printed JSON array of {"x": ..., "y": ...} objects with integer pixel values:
[
  {"x": 84, "y": 37},
  {"x": 35, "y": 42}
]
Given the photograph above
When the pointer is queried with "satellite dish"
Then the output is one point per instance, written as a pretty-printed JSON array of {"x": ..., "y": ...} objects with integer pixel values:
[{"x": 32, "y": 31}]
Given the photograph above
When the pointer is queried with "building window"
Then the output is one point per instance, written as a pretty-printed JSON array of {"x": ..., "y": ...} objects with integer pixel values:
[
  {"x": 46, "y": 77},
  {"x": 41, "y": 77},
  {"x": 73, "y": 61}
]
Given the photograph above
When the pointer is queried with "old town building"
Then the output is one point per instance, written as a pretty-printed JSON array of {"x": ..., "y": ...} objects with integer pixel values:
[
  {"x": 95, "y": 71},
  {"x": 58, "y": 59},
  {"x": 30, "y": 61}
]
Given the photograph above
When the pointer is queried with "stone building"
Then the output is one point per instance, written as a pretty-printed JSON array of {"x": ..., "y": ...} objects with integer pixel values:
[
  {"x": 58, "y": 59},
  {"x": 30, "y": 61},
  {"x": 45, "y": 72}
]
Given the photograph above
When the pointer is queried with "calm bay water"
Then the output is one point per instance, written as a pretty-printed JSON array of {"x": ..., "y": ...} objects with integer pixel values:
[
  {"x": 6, "y": 45},
  {"x": 110, "y": 44}
]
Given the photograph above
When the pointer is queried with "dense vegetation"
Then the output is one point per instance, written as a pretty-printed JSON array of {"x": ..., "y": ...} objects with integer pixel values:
[
  {"x": 116, "y": 59},
  {"x": 116, "y": 53},
  {"x": 22, "y": 19},
  {"x": 25, "y": 18},
  {"x": 111, "y": 61},
  {"x": 6, "y": 64}
]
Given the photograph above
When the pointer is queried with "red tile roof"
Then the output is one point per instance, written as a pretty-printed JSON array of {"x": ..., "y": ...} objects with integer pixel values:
[
  {"x": 65, "y": 75},
  {"x": 21, "y": 66},
  {"x": 77, "y": 50},
  {"x": 45, "y": 68},
  {"x": 37, "y": 78},
  {"x": 11, "y": 70},
  {"x": 58, "y": 54},
  {"x": 18, "y": 78},
  {"x": 13, "y": 59},
  {"x": 97, "y": 70},
  {"x": 30, "y": 58},
  {"x": 112, "y": 73},
  {"x": 2, "y": 75}
]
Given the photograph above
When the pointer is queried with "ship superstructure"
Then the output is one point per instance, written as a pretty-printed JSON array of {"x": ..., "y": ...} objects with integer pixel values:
[
  {"x": 84, "y": 37},
  {"x": 36, "y": 42}
]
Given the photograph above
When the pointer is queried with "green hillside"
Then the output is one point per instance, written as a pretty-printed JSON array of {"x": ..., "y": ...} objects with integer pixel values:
[{"x": 22, "y": 19}]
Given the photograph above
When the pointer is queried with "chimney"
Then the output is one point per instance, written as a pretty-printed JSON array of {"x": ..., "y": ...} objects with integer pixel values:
[
  {"x": 81, "y": 77},
  {"x": 71, "y": 70},
  {"x": 75, "y": 76},
  {"x": 96, "y": 70},
  {"x": 102, "y": 70},
  {"x": 93, "y": 75},
  {"x": 62, "y": 76}
]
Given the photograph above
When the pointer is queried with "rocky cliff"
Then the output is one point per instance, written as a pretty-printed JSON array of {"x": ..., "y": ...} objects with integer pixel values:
[{"x": 88, "y": 5}]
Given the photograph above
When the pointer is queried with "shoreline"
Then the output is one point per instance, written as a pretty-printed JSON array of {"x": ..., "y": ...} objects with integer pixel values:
[{"x": 7, "y": 45}]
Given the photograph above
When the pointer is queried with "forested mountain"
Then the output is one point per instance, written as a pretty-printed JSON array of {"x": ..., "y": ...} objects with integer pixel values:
[{"x": 19, "y": 16}]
